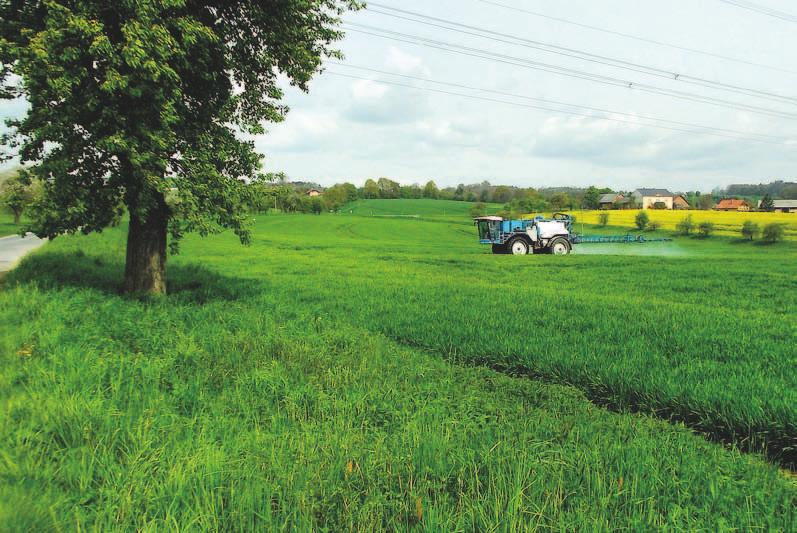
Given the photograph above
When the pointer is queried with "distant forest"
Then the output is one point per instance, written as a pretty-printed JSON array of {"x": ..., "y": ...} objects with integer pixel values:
[
  {"x": 277, "y": 191},
  {"x": 514, "y": 198}
]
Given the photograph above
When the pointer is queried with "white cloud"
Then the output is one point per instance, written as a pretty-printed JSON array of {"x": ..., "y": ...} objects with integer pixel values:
[
  {"x": 405, "y": 63},
  {"x": 368, "y": 90},
  {"x": 302, "y": 130}
]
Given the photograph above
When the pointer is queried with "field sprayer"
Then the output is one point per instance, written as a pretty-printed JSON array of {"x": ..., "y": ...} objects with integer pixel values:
[{"x": 540, "y": 235}]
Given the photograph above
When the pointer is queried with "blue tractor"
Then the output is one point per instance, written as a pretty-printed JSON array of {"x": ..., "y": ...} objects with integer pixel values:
[{"x": 538, "y": 235}]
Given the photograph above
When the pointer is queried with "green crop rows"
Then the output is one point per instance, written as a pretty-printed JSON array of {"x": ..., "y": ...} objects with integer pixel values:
[{"x": 368, "y": 373}]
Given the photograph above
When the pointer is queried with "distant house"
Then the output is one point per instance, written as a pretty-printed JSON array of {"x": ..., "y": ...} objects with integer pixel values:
[
  {"x": 649, "y": 198},
  {"x": 679, "y": 202},
  {"x": 732, "y": 204},
  {"x": 313, "y": 192},
  {"x": 610, "y": 200},
  {"x": 783, "y": 206}
]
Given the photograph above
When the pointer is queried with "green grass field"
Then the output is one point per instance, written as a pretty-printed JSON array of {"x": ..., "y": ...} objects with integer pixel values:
[
  {"x": 367, "y": 373},
  {"x": 413, "y": 208}
]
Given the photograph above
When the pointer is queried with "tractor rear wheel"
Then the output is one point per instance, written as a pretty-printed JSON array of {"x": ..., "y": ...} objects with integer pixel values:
[
  {"x": 519, "y": 247},
  {"x": 560, "y": 246}
]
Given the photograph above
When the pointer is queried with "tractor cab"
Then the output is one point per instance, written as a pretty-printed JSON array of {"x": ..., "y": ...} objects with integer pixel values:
[
  {"x": 489, "y": 229},
  {"x": 524, "y": 236}
]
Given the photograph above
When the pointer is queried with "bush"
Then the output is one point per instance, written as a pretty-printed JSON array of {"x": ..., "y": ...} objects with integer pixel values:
[
  {"x": 750, "y": 230},
  {"x": 659, "y": 205},
  {"x": 773, "y": 232},
  {"x": 685, "y": 226},
  {"x": 641, "y": 220},
  {"x": 316, "y": 205},
  {"x": 478, "y": 210},
  {"x": 705, "y": 228},
  {"x": 653, "y": 225},
  {"x": 603, "y": 219}
]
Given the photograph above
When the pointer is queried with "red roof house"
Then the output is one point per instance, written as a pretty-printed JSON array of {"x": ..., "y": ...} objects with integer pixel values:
[{"x": 732, "y": 204}]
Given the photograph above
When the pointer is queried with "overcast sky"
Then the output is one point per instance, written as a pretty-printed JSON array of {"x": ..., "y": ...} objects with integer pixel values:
[{"x": 349, "y": 129}]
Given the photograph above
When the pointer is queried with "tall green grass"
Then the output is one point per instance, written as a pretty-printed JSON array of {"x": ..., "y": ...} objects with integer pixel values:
[
  {"x": 705, "y": 337},
  {"x": 268, "y": 392}
]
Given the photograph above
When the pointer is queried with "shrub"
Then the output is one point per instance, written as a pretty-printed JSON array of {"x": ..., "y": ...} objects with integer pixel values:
[
  {"x": 750, "y": 230},
  {"x": 603, "y": 219},
  {"x": 478, "y": 209},
  {"x": 653, "y": 225},
  {"x": 705, "y": 228},
  {"x": 659, "y": 205},
  {"x": 773, "y": 232},
  {"x": 316, "y": 205},
  {"x": 685, "y": 226},
  {"x": 641, "y": 220}
]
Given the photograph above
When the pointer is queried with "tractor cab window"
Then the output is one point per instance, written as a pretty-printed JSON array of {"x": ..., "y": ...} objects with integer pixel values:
[
  {"x": 484, "y": 230},
  {"x": 488, "y": 230}
]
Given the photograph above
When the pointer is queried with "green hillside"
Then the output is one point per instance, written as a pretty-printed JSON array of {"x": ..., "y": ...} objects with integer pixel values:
[{"x": 413, "y": 207}]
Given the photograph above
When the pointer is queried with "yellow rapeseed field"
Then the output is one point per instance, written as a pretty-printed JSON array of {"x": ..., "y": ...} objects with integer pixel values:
[{"x": 725, "y": 222}]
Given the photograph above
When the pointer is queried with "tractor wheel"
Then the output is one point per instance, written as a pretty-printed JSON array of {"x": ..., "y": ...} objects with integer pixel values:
[
  {"x": 560, "y": 246},
  {"x": 499, "y": 249},
  {"x": 519, "y": 247}
]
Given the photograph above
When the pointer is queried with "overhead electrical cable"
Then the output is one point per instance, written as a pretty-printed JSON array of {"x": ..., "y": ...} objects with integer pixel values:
[
  {"x": 638, "y": 37},
  {"x": 780, "y": 140},
  {"x": 553, "y": 110},
  {"x": 564, "y": 71},
  {"x": 758, "y": 8},
  {"x": 572, "y": 52}
]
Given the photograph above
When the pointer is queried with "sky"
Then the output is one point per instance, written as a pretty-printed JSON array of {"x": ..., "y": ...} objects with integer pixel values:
[{"x": 347, "y": 129}]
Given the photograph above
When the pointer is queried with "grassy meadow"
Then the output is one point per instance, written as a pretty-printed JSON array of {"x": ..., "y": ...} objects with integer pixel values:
[
  {"x": 725, "y": 222},
  {"x": 366, "y": 373},
  {"x": 416, "y": 208}
]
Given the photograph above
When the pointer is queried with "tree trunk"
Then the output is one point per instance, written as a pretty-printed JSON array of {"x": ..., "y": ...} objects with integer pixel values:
[
  {"x": 145, "y": 267},
  {"x": 17, "y": 217}
]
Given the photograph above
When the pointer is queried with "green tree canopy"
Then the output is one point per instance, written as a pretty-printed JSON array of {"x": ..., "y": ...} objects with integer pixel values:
[
  {"x": 430, "y": 190},
  {"x": 134, "y": 99},
  {"x": 767, "y": 204},
  {"x": 750, "y": 229},
  {"x": 388, "y": 188},
  {"x": 591, "y": 198},
  {"x": 370, "y": 189}
]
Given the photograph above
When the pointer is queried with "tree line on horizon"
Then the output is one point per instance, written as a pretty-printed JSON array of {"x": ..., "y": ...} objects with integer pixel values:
[{"x": 276, "y": 191}]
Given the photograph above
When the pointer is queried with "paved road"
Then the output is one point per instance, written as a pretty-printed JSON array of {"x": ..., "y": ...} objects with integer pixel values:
[{"x": 13, "y": 248}]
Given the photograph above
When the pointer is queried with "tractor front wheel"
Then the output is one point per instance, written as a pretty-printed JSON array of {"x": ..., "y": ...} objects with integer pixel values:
[{"x": 499, "y": 249}]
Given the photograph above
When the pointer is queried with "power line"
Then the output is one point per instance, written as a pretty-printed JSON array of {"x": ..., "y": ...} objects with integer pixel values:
[
  {"x": 553, "y": 110},
  {"x": 573, "y": 53},
  {"x": 638, "y": 37},
  {"x": 564, "y": 71},
  {"x": 758, "y": 8},
  {"x": 781, "y": 140}
]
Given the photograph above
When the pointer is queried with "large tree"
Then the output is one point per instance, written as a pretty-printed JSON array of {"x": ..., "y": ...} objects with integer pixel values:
[{"x": 150, "y": 106}]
